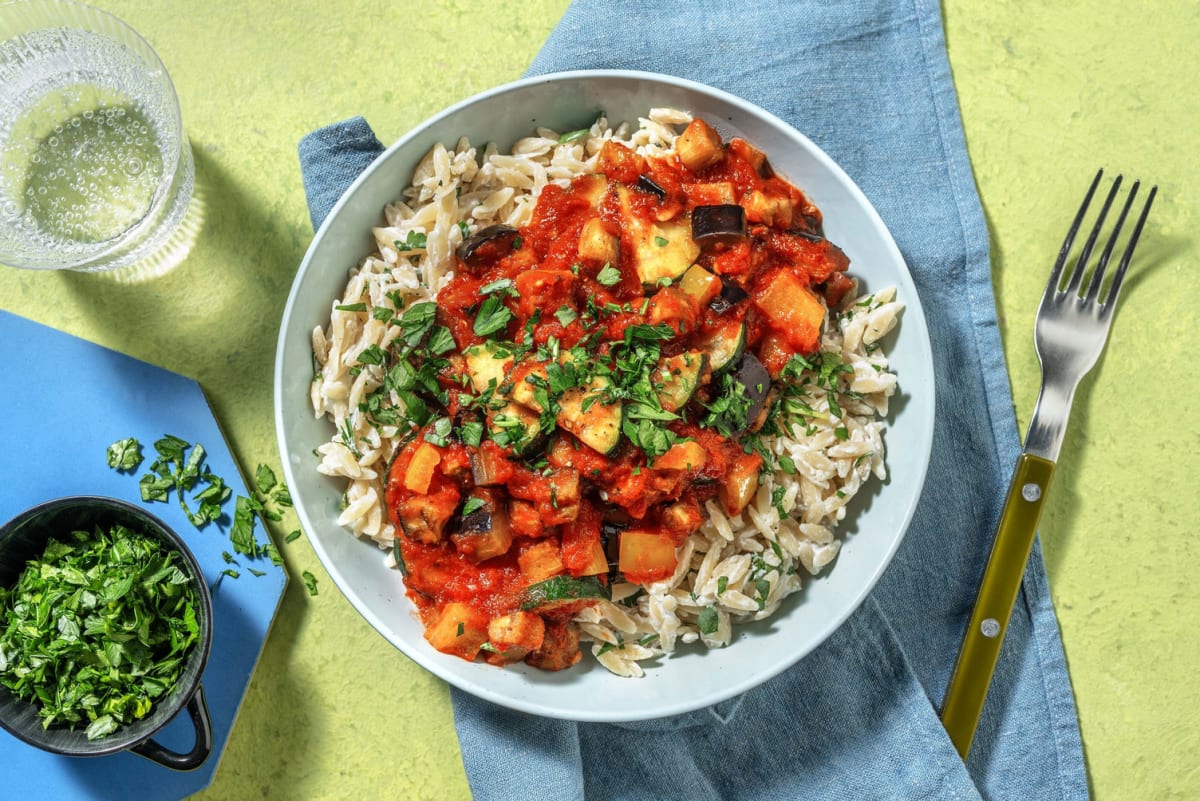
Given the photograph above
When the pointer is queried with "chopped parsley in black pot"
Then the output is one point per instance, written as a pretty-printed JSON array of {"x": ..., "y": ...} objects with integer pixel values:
[{"x": 105, "y": 629}]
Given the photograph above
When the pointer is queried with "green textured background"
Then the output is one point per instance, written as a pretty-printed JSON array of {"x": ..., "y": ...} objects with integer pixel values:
[{"x": 1048, "y": 94}]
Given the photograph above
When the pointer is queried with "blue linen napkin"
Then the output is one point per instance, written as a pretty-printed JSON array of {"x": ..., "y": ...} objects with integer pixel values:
[{"x": 868, "y": 81}]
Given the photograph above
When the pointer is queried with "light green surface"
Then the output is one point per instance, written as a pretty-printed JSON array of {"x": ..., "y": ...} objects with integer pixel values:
[{"x": 1048, "y": 94}]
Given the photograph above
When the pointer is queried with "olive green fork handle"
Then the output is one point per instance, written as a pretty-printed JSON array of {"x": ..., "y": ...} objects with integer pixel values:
[{"x": 994, "y": 604}]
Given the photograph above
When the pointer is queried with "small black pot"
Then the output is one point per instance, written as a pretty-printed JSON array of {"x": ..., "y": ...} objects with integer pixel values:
[{"x": 24, "y": 538}]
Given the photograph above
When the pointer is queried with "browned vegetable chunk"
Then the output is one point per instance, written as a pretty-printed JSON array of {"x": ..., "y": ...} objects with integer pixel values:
[
  {"x": 560, "y": 647},
  {"x": 699, "y": 146}
]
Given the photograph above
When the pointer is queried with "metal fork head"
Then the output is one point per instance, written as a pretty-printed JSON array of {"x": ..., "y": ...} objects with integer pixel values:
[{"x": 1072, "y": 321}]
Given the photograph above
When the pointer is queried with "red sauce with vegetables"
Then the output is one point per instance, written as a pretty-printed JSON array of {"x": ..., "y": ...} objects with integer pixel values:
[{"x": 587, "y": 383}]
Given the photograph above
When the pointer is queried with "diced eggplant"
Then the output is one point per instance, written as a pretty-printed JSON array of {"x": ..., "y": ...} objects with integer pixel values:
[
  {"x": 597, "y": 245},
  {"x": 424, "y": 517},
  {"x": 723, "y": 223},
  {"x": 515, "y": 635},
  {"x": 489, "y": 468},
  {"x": 774, "y": 210},
  {"x": 699, "y": 146},
  {"x": 560, "y": 646},
  {"x": 488, "y": 242},
  {"x": 647, "y": 184},
  {"x": 731, "y": 295},
  {"x": 756, "y": 381},
  {"x": 811, "y": 236},
  {"x": 485, "y": 532}
]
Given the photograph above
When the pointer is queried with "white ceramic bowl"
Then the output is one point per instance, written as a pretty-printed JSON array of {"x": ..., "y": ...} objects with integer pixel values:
[{"x": 693, "y": 677}]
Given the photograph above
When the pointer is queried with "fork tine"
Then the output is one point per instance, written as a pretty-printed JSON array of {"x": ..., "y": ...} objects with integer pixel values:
[
  {"x": 1081, "y": 263},
  {"x": 1056, "y": 271},
  {"x": 1102, "y": 264},
  {"x": 1111, "y": 300}
]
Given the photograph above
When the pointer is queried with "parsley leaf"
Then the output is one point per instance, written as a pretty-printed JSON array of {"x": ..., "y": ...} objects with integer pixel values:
[
  {"x": 125, "y": 454},
  {"x": 573, "y": 136},
  {"x": 415, "y": 240},
  {"x": 310, "y": 581},
  {"x": 493, "y": 316},
  {"x": 608, "y": 275}
]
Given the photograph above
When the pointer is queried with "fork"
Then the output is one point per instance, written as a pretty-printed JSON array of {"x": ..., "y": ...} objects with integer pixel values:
[{"x": 1069, "y": 334}]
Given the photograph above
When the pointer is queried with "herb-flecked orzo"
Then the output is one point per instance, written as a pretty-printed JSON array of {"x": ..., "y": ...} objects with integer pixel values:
[{"x": 613, "y": 387}]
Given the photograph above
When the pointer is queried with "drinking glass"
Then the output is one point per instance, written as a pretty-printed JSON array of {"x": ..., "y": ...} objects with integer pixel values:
[{"x": 95, "y": 170}]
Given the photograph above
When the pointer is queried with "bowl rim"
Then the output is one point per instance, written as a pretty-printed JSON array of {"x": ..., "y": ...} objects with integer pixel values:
[
  {"x": 114, "y": 743},
  {"x": 913, "y": 309}
]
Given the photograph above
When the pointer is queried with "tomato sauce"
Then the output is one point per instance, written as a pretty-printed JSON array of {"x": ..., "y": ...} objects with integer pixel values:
[{"x": 503, "y": 540}]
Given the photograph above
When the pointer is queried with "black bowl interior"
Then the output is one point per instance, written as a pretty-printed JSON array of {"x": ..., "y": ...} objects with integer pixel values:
[{"x": 24, "y": 538}]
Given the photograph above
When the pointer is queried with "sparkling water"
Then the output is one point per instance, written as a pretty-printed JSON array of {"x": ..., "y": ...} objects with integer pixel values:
[{"x": 94, "y": 171}]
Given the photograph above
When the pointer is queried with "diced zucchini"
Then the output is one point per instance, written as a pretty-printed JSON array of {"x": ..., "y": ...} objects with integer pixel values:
[
  {"x": 661, "y": 250},
  {"x": 596, "y": 421},
  {"x": 558, "y": 592},
  {"x": 517, "y": 427},
  {"x": 523, "y": 390},
  {"x": 677, "y": 378},
  {"x": 487, "y": 362},
  {"x": 398, "y": 555},
  {"x": 724, "y": 345}
]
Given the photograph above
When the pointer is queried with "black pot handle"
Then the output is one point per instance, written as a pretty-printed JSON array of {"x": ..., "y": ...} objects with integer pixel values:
[{"x": 197, "y": 708}]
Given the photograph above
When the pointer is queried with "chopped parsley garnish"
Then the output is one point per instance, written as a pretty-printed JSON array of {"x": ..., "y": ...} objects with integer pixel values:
[
  {"x": 505, "y": 285},
  {"x": 493, "y": 316},
  {"x": 97, "y": 628},
  {"x": 352, "y": 307},
  {"x": 708, "y": 620},
  {"x": 608, "y": 275},
  {"x": 415, "y": 240},
  {"x": 473, "y": 504},
  {"x": 310, "y": 582},
  {"x": 125, "y": 454},
  {"x": 417, "y": 321},
  {"x": 573, "y": 136},
  {"x": 566, "y": 315}
]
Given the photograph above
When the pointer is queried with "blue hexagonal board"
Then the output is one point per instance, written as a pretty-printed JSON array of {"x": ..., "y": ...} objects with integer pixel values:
[{"x": 65, "y": 401}]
